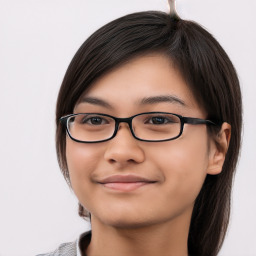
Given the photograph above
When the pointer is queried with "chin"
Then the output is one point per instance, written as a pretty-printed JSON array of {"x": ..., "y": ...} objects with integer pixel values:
[
  {"x": 123, "y": 219},
  {"x": 122, "y": 223}
]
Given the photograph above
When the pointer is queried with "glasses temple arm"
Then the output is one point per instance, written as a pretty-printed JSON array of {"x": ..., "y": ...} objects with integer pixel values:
[{"x": 192, "y": 120}]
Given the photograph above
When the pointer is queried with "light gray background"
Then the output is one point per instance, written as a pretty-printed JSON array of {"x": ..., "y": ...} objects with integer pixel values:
[{"x": 38, "y": 38}]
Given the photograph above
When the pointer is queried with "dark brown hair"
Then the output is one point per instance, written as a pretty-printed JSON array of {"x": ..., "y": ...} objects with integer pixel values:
[{"x": 208, "y": 72}]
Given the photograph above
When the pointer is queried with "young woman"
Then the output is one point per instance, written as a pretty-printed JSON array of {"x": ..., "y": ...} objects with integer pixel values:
[{"x": 148, "y": 136}]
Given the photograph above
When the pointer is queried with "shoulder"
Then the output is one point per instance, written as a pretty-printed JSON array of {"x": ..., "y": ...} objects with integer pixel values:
[
  {"x": 73, "y": 248},
  {"x": 66, "y": 249}
]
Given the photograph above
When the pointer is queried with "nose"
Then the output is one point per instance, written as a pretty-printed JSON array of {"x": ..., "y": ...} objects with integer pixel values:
[{"x": 124, "y": 149}]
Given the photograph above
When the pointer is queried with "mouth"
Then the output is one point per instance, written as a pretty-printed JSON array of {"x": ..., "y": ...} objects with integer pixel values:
[{"x": 125, "y": 183}]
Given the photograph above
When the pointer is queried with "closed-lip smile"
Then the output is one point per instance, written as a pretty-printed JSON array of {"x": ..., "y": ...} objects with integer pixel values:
[{"x": 125, "y": 183}]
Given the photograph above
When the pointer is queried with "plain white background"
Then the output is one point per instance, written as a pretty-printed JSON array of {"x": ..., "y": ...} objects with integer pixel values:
[{"x": 38, "y": 38}]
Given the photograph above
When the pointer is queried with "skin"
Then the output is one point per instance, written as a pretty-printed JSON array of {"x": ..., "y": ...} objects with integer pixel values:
[{"x": 153, "y": 219}]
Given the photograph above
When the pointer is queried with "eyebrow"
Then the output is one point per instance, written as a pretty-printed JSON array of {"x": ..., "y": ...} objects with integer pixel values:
[
  {"x": 162, "y": 98},
  {"x": 145, "y": 101},
  {"x": 96, "y": 101}
]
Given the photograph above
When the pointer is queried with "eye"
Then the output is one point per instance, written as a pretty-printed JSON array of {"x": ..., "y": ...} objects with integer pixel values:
[
  {"x": 157, "y": 120},
  {"x": 94, "y": 120}
]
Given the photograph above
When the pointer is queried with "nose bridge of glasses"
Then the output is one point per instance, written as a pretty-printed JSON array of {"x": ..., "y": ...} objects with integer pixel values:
[{"x": 127, "y": 120}]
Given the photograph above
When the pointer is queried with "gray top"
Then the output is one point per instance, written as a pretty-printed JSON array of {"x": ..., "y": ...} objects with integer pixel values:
[{"x": 72, "y": 248}]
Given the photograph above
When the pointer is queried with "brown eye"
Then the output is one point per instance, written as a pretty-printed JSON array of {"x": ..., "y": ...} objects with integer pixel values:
[
  {"x": 95, "y": 120},
  {"x": 158, "y": 120}
]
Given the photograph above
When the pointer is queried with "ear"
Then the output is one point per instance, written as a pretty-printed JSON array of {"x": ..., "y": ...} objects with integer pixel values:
[{"x": 218, "y": 148}]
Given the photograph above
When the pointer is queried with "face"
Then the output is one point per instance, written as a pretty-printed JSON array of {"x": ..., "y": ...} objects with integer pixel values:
[{"x": 176, "y": 169}]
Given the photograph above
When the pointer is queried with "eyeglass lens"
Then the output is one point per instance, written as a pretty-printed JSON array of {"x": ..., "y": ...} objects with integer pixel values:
[{"x": 96, "y": 127}]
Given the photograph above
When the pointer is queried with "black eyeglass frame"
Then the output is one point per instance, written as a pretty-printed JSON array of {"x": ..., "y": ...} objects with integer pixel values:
[{"x": 128, "y": 120}]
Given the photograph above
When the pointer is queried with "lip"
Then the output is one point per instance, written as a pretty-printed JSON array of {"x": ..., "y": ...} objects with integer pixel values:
[
  {"x": 125, "y": 179},
  {"x": 125, "y": 183}
]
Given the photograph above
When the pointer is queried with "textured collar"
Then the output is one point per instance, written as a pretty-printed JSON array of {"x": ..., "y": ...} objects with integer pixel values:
[{"x": 84, "y": 239}]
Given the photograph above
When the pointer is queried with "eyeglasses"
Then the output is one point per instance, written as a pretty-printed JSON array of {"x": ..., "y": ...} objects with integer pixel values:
[{"x": 150, "y": 126}]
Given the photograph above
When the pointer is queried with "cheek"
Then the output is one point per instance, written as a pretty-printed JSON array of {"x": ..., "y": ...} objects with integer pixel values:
[
  {"x": 82, "y": 160},
  {"x": 183, "y": 163}
]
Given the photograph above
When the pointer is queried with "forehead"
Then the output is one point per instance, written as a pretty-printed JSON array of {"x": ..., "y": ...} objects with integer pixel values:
[{"x": 141, "y": 80}]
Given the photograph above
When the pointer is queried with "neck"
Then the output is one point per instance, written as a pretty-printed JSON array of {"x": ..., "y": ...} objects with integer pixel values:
[{"x": 168, "y": 238}]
